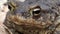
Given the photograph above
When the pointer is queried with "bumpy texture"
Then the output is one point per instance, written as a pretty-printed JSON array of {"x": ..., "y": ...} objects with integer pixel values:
[{"x": 34, "y": 17}]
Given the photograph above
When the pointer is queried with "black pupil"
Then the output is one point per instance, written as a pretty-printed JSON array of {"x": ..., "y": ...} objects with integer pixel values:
[
  {"x": 9, "y": 7},
  {"x": 36, "y": 12}
]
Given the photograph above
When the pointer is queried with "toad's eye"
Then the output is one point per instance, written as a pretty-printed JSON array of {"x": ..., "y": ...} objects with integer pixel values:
[
  {"x": 11, "y": 6},
  {"x": 35, "y": 11}
]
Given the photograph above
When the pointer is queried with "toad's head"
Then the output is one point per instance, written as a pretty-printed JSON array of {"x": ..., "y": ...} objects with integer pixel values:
[{"x": 31, "y": 14}]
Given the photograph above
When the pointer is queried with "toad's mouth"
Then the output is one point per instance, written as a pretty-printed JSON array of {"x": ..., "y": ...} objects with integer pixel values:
[{"x": 19, "y": 20}]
